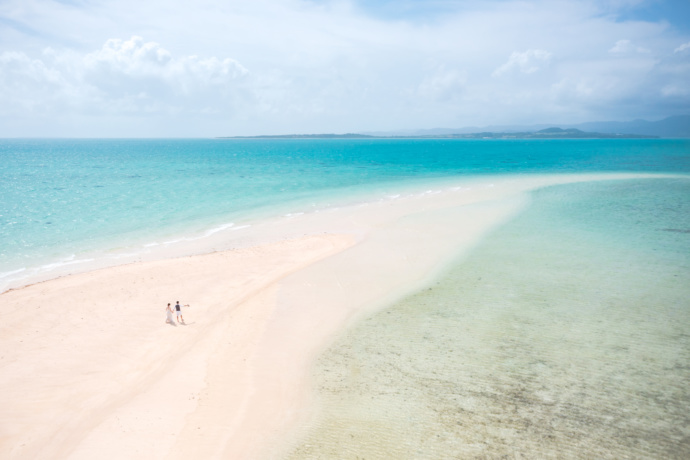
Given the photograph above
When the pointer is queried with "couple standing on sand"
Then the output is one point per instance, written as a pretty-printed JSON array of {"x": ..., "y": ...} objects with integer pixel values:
[{"x": 178, "y": 310}]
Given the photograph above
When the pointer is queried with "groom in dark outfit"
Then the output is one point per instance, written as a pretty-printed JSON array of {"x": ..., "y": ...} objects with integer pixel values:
[{"x": 178, "y": 311}]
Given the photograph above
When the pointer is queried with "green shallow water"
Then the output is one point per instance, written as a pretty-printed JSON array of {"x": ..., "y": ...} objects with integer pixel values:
[{"x": 565, "y": 334}]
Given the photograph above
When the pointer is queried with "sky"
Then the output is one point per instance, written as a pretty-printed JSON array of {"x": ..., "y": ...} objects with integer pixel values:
[{"x": 171, "y": 68}]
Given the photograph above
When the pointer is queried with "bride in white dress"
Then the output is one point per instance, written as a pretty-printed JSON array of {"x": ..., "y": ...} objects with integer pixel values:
[{"x": 169, "y": 315}]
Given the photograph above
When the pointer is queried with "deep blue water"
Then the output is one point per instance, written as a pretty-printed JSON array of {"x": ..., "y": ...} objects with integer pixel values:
[{"x": 61, "y": 198}]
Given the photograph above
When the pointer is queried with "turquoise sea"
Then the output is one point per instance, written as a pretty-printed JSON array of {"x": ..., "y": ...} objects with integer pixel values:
[
  {"x": 64, "y": 201},
  {"x": 564, "y": 334}
]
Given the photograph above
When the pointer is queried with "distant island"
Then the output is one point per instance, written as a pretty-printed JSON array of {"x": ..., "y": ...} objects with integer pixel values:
[
  {"x": 677, "y": 126},
  {"x": 549, "y": 133}
]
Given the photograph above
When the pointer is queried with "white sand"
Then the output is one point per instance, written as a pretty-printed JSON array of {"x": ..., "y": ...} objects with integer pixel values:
[{"x": 89, "y": 369}]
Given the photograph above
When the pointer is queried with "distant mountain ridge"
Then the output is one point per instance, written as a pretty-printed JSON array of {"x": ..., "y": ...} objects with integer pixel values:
[
  {"x": 549, "y": 133},
  {"x": 678, "y": 126},
  {"x": 670, "y": 127}
]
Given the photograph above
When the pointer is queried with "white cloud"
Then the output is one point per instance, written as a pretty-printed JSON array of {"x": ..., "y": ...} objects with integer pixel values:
[
  {"x": 626, "y": 47},
  {"x": 139, "y": 67},
  {"x": 18, "y": 68},
  {"x": 131, "y": 55},
  {"x": 671, "y": 91},
  {"x": 527, "y": 62},
  {"x": 124, "y": 76},
  {"x": 136, "y": 58},
  {"x": 30, "y": 86},
  {"x": 682, "y": 48},
  {"x": 621, "y": 46},
  {"x": 443, "y": 86}
]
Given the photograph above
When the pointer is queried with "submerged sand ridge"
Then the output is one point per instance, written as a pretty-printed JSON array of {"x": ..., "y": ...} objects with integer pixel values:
[
  {"x": 549, "y": 340},
  {"x": 89, "y": 369}
]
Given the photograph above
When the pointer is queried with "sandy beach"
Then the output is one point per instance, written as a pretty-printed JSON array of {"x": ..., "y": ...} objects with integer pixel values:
[{"x": 89, "y": 368}]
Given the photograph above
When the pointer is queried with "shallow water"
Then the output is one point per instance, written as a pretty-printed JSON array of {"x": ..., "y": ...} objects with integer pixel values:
[
  {"x": 563, "y": 335},
  {"x": 70, "y": 202}
]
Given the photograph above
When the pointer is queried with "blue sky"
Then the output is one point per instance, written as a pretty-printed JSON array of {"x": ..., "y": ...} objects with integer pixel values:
[
  {"x": 675, "y": 12},
  {"x": 168, "y": 68}
]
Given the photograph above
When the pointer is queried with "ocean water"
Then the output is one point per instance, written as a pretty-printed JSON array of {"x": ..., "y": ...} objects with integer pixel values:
[
  {"x": 565, "y": 334},
  {"x": 65, "y": 202}
]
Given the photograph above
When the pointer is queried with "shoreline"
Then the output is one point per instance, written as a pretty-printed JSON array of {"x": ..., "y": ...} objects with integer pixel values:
[
  {"x": 229, "y": 235},
  {"x": 223, "y": 235},
  {"x": 112, "y": 377},
  {"x": 255, "y": 230}
]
